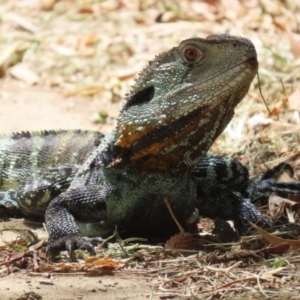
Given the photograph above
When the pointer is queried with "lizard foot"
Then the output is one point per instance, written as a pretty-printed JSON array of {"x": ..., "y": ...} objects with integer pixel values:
[{"x": 71, "y": 243}]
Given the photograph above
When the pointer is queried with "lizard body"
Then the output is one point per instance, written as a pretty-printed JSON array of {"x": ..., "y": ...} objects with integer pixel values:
[{"x": 179, "y": 105}]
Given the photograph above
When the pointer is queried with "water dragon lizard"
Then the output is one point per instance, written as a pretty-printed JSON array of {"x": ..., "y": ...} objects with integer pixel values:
[{"x": 85, "y": 184}]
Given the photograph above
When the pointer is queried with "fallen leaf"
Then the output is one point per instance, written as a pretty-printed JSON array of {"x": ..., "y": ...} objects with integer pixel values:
[
  {"x": 22, "y": 72},
  {"x": 92, "y": 265},
  {"x": 85, "y": 10},
  {"x": 85, "y": 91},
  {"x": 126, "y": 74},
  {"x": 285, "y": 177},
  {"x": 184, "y": 242},
  {"x": 276, "y": 205},
  {"x": 10, "y": 56},
  {"x": 294, "y": 100},
  {"x": 90, "y": 39},
  {"x": 22, "y": 22},
  {"x": 62, "y": 50},
  {"x": 279, "y": 249},
  {"x": 280, "y": 24},
  {"x": 105, "y": 262},
  {"x": 48, "y": 4},
  {"x": 274, "y": 240},
  {"x": 269, "y": 274},
  {"x": 290, "y": 215},
  {"x": 294, "y": 43}
]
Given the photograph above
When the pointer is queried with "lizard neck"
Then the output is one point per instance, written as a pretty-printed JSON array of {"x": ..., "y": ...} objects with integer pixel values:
[{"x": 176, "y": 148}]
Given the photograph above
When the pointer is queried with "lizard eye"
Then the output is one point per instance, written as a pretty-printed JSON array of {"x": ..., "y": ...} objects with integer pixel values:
[{"x": 192, "y": 53}]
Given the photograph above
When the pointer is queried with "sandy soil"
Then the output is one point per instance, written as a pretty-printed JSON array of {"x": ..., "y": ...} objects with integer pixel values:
[
  {"x": 35, "y": 108},
  {"x": 71, "y": 287}
]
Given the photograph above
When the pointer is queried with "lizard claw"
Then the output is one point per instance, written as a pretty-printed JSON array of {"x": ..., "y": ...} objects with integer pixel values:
[{"x": 71, "y": 243}]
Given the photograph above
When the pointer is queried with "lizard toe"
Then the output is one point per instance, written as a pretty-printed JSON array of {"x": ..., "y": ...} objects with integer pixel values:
[{"x": 71, "y": 243}]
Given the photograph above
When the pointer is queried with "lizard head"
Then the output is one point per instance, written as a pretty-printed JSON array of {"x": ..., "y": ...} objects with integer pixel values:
[{"x": 181, "y": 102}]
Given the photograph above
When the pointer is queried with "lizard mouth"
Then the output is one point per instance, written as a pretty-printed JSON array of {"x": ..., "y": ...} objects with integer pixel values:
[{"x": 252, "y": 62}]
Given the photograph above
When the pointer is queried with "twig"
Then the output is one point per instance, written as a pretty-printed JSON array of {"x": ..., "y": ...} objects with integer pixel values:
[
  {"x": 16, "y": 258},
  {"x": 173, "y": 215}
]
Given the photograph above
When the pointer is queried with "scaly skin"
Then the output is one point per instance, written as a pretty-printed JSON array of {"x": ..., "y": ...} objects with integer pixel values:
[
  {"x": 179, "y": 105},
  {"x": 36, "y": 167}
]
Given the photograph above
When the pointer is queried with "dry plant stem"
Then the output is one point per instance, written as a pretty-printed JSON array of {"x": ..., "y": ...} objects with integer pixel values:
[
  {"x": 35, "y": 261},
  {"x": 235, "y": 281},
  {"x": 16, "y": 258},
  {"x": 260, "y": 91},
  {"x": 173, "y": 216},
  {"x": 225, "y": 270},
  {"x": 109, "y": 238},
  {"x": 213, "y": 259},
  {"x": 258, "y": 283}
]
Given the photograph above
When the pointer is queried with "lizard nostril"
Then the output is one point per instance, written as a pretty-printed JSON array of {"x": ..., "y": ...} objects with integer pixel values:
[{"x": 252, "y": 61}]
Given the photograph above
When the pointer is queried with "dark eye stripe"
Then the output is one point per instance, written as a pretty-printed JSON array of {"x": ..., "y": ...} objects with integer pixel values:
[{"x": 141, "y": 97}]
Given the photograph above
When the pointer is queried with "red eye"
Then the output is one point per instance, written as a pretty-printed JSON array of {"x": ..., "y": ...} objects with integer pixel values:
[{"x": 191, "y": 54}]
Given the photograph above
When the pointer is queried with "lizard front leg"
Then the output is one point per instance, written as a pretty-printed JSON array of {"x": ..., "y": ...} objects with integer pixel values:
[
  {"x": 217, "y": 200},
  {"x": 220, "y": 185},
  {"x": 65, "y": 213}
]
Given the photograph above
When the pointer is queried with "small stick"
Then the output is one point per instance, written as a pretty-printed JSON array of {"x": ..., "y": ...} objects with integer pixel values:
[
  {"x": 260, "y": 91},
  {"x": 173, "y": 216}
]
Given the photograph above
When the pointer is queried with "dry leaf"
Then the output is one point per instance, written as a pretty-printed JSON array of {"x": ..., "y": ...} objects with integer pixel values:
[
  {"x": 126, "y": 74},
  {"x": 105, "y": 262},
  {"x": 85, "y": 10},
  {"x": 22, "y": 22},
  {"x": 62, "y": 50},
  {"x": 11, "y": 55},
  {"x": 183, "y": 242},
  {"x": 290, "y": 215},
  {"x": 285, "y": 177},
  {"x": 24, "y": 73},
  {"x": 85, "y": 91},
  {"x": 274, "y": 240},
  {"x": 275, "y": 112},
  {"x": 279, "y": 249},
  {"x": 294, "y": 100},
  {"x": 295, "y": 198},
  {"x": 295, "y": 43},
  {"x": 91, "y": 265},
  {"x": 277, "y": 206},
  {"x": 283, "y": 147},
  {"x": 89, "y": 39},
  {"x": 281, "y": 24},
  {"x": 48, "y": 4},
  {"x": 204, "y": 10},
  {"x": 269, "y": 274}
]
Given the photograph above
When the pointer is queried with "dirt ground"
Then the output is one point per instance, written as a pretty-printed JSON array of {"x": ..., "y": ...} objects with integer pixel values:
[
  {"x": 32, "y": 108},
  {"x": 71, "y": 287}
]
